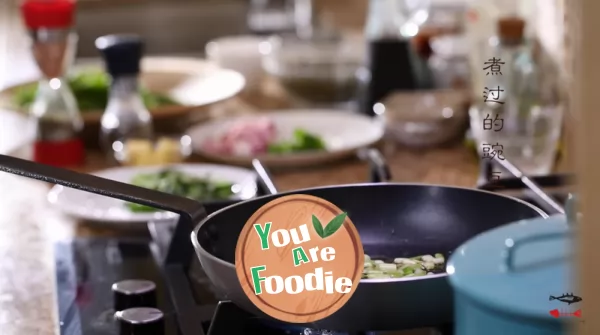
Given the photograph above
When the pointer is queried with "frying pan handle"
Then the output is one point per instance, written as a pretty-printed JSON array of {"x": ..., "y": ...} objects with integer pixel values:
[
  {"x": 532, "y": 185},
  {"x": 378, "y": 168},
  {"x": 486, "y": 172},
  {"x": 190, "y": 211},
  {"x": 264, "y": 177},
  {"x": 110, "y": 188}
]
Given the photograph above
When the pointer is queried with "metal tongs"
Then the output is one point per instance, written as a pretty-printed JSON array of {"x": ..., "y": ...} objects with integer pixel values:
[{"x": 543, "y": 197}]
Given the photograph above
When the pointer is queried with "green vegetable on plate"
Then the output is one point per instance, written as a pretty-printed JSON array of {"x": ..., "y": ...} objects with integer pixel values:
[
  {"x": 91, "y": 92},
  {"x": 302, "y": 141},
  {"x": 181, "y": 184}
]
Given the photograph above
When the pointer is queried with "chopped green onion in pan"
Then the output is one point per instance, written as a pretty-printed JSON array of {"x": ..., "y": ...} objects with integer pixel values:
[{"x": 403, "y": 267}]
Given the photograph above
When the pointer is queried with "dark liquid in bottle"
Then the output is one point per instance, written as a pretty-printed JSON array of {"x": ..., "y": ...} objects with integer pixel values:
[{"x": 393, "y": 66}]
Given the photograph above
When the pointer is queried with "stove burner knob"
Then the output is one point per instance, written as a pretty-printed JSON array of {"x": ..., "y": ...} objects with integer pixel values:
[
  {"x": 141, "y": 321},
  {"x": 133, "y": 293}
]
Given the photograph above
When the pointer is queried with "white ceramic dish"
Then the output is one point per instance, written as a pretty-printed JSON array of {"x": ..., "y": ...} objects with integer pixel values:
[
  {"x": 93, "y": 207},
  {"x": 191, "y": 82},
  {"x": 343, "y": 133},
  {"x": 15, "y": 131},
  {"x": 240, "y": 53}
]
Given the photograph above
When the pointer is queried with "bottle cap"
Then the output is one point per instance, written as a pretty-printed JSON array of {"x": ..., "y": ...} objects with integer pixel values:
[
  {"x": 122, "y": 53},
  {"x": 48, "y": 13},
  {"x": 511, "y": 29}
]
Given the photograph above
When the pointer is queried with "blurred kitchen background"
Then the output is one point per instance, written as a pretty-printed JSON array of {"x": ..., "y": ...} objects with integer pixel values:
[
  {"x": 325, "y": 54},
  {"x": 322, "y": 92},
  {"x": 185, "y": 26}
]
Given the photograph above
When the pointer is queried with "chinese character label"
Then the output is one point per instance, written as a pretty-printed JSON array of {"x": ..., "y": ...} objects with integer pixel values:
[
  {"x": 495, "y": 124},
  {"x": 493, "y": 66},
  {"x": 492, "y": 95},
  {"x": 493, "y": 150}
]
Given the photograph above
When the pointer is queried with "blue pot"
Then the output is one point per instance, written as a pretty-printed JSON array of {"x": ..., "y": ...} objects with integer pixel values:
[{"x": 504, "y": 280}]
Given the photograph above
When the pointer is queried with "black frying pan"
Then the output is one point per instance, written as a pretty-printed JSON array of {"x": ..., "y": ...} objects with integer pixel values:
[{"x": 393, "y": 219}]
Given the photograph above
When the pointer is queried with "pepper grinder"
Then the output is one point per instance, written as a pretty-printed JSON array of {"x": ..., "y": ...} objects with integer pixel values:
[
  {"x": 58, "y": 122},
  {"x": 125, "y": 117}
]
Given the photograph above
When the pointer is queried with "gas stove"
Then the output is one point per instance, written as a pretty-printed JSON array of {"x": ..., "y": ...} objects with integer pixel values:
[
  {"x": 89, "y": 270},
  {"x": 159, "y": 271}
]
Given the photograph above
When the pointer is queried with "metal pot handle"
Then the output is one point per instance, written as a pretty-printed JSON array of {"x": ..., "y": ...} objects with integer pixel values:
[
  {"x": 379, "y": 171},
  {"x": 571, "y": 216},
  {"x": 512, "y": 249},
  {"x": 264, "y": 177}
]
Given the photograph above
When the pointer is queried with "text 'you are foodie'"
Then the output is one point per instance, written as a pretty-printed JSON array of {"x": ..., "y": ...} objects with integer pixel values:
[{"x": 299, "y": 258}]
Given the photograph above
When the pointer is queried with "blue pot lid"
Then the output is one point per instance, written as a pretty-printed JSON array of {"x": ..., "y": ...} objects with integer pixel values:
[{"x": 517, "y": 268}]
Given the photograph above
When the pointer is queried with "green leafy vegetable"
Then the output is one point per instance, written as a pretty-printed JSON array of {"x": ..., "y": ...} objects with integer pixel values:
[
  {"x": 330, "y": 229},
  {"x": 317, "y": 225},
  {"x": 91, "y": 91},
  {"x": 181, "y": 184},
  {"x": 334, "y": 225},
  {"x": 418, "y": 266},
  {"x": 302, "y": 141}
]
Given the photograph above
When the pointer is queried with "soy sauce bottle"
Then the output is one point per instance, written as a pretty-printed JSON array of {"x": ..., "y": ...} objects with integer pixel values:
[
  {"x": 392, "y": 61},
  {"x": 125, "y": 117}
]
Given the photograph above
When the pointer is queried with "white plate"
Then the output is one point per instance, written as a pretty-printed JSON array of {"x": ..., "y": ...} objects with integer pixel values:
[
  {"x": 189, "y": 81},
  {"x": 343, "y": 133},
  {"x": 89, "y": 206},
  {"x": 15, "y": 131}
]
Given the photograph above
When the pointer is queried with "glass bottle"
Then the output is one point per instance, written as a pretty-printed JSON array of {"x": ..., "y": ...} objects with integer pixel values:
[
  {"x": 519, "y": 97},
  {"x": 510, "y": 49},
  {"x": 54, "y": 110},
  {"x": 267, "y": 17},
  {"x": 126, "y": 117},
  {"x": 392, "y": 62},
  {"x": 497, "y": 58}
]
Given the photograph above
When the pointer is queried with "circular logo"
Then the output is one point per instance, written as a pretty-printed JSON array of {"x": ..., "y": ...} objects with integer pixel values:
[{"x": 299, "y": 258}]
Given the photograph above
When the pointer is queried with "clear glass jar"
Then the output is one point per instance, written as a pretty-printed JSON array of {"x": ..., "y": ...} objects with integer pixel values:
[
  {"x": 449, "y": 63},
  {"x": 270, "y": 16},
  {"x": 315, "y": 71}
]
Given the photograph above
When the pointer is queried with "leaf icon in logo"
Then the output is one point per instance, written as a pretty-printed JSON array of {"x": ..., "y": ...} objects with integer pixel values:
[
  {"x": 334, "y": 225},
  {"x": 318, "y": 226}
]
